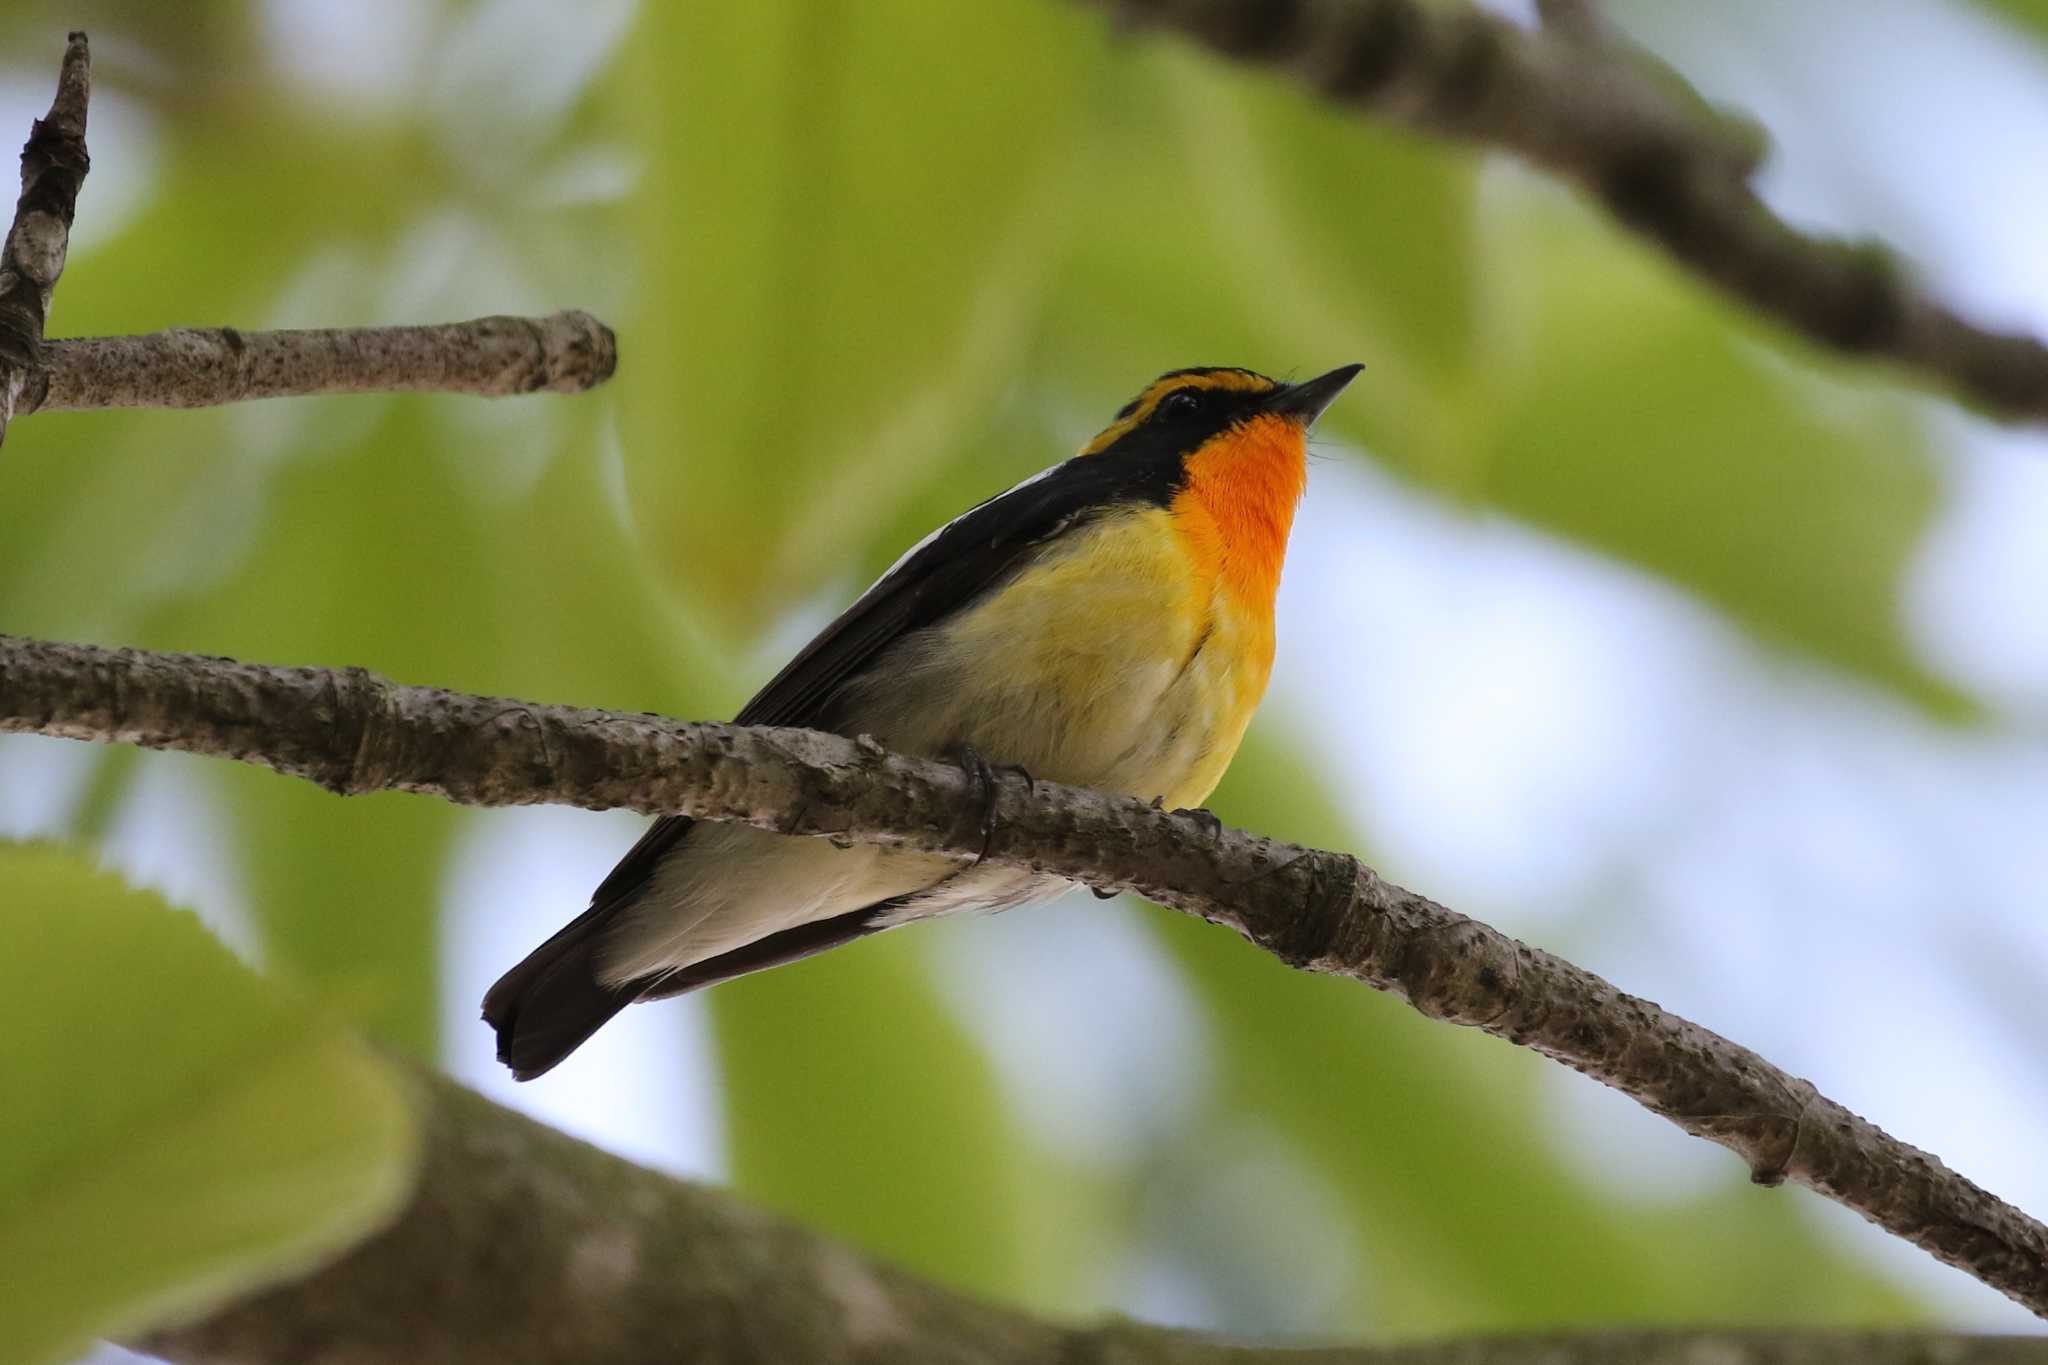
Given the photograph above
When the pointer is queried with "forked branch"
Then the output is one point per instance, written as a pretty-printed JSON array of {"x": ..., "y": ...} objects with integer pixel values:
[{"x": 565, "y": 352}]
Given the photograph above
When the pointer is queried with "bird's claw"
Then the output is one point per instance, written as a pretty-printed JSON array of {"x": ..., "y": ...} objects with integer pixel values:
[
  {"x": 978, "y": 768},
  {"x": 1211, "y": 824}
]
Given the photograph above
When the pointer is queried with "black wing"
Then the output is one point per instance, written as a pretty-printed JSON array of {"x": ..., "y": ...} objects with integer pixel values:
[{"x": 956, "y": 564}]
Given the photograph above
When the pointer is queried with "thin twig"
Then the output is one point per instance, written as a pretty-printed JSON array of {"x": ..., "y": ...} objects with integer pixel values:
[
  {"x": 354, "y": 732},
  {"x": 565, "y": 352},
  {"x": 53, "y": 167},
  {"x": 1663, "y": 162}
]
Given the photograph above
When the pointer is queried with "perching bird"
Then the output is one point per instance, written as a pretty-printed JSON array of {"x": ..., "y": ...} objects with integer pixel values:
[{"x": 1107, "y": 623}]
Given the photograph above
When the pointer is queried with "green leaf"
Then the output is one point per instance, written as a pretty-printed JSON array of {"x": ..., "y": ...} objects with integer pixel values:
[
  {"x": 840, "y": 277},
  {"x": 176, "y": 1130}
]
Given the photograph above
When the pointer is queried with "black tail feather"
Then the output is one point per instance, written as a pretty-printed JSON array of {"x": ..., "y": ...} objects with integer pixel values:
[{"x": 549, "y": 1005}]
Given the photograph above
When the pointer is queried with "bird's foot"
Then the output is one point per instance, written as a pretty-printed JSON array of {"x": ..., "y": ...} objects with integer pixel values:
[
  {"x": 984, "y": 776},
  {"x": 1212, "y": 825}
]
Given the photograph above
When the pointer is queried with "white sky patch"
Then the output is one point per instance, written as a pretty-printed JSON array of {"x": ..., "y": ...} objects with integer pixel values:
[
  {"x": 455, "y": 264},
  {"x": 647, "y": 1085},
  {"x": 106, "y": 1353},
  {"x": 1634, "y": 1154},
  {"x": 588, "y": 174},
  {"x": 172, "y": 834},
  {"x": 509, "y": 73},
  {"x": 125, "y": 153},
  {"x": 41, "y": 780},
  {"x": 1099, "y": 1041},
  {"x": 363, "y": 57},
  {"x": 1507, "y": 704},
  {"x": 1913, "y": 119},
  {"x": 1978, "y": 597},
  {"x": 1254, "y": 1241},
  {"x": 1523, "y": 12}
]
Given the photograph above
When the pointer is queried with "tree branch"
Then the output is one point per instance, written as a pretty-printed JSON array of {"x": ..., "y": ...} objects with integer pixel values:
[
  {"x": 352, "y": 732},
  {"x": 1664, "y": 163},
  {"x": 524, "y": 1245},
  {"x": 565, "y": 352},
  {"x": 53, "y": 167}
]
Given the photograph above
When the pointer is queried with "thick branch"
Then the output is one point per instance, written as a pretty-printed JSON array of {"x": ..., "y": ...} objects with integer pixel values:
[
  {"x": 523, "y": 1245},
  {"x": 352, "y": 732},
  {"x": 566, "y": 352},
  {"x": 1660, "y": 160},
  {"x": 53, "y": 167}
]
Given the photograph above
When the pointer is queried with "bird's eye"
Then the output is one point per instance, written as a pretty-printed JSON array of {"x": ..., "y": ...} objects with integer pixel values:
[{"x": 1185, "y": 403}]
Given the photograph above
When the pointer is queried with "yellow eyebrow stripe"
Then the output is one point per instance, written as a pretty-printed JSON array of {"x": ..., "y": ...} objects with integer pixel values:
[{"x": 1157, "y": 390}]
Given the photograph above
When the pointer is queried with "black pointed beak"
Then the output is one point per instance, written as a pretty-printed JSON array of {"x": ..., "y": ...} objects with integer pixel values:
[{"x": 1304, "y": 402}]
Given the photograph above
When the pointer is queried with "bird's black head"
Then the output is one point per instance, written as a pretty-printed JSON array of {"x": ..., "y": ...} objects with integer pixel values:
[{"x": 1182, "y": 410}]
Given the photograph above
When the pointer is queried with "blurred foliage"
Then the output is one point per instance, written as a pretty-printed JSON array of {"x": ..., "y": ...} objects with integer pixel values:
[
  {"x": 177, "y": 1130},
  {"x": 871, "y": 263},
  {"x": 845, "y": 280},
  {"x": 1426, "y": 1132},
  {"x": 1793, "y": 501},
  {"x": 825, "y": 1059},
  {"x": 2033, "y": 13}
]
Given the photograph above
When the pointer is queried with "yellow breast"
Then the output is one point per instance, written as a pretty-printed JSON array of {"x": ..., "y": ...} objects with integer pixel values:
[{"x": 1125, "y": 657}]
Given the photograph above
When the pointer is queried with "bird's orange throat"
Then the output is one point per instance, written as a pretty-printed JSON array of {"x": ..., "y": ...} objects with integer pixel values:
[{"x": 1238, "y": 505}]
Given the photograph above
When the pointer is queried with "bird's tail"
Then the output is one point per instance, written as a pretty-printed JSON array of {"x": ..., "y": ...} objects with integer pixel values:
[{"x": 548, "y": 1005}]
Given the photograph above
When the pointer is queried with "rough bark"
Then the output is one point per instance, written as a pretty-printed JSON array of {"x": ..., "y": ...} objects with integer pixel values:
[
  {"x": 565, "y": 352},
  {"x": 53, "y": 167},
  {"x": 354, "y": 732},
  {"x": 186, "y": 367},
  {"x": 1588, "y": 108},
  {"x": 524, "y": 1245}
]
